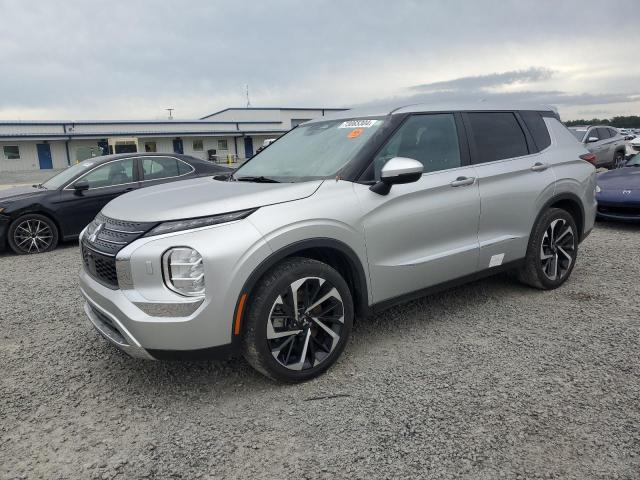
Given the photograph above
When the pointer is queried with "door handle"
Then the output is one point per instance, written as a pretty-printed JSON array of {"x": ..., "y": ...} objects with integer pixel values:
[
  {"x": 539, "y": 167},
  {"x": 463, "y": 181}
]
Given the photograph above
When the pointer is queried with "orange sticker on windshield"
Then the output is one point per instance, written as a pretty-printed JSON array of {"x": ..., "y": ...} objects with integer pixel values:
[{"x": 355, "y": 133}]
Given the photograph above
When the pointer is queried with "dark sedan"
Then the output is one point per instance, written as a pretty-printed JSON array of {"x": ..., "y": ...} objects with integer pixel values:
[
  {"x": 33, "y": 219},
  {"x": 618, "y": 192}
]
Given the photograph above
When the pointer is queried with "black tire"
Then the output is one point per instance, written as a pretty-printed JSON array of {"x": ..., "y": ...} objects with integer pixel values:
[
  {"x": 32, "y": 233},
  {"x": 265, "y": 306},
  {"x": 618, "y": 160},
  {"x": 535, "y": 272}
]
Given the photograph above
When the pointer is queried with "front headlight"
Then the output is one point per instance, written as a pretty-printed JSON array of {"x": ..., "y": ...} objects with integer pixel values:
[
  {"x": 191, "y": 223},
  {"x": 598, "y": 189},
  {"x": 183, "y": 271}
]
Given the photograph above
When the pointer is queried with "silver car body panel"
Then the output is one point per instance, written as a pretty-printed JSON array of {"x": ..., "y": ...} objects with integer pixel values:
[{"x": 420, "y": 235}]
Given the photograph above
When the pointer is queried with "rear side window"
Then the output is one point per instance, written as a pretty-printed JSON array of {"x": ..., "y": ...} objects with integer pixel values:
[
  {"x": 155, "y": 168},
  {"x": 537, "y": 128},
  {"x": 604, "y": 133},
  {"x": 613, "y": 132},
  {"x": 496, "y": 136}
]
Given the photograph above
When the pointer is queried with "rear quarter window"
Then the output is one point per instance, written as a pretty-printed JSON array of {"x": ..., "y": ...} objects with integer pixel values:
[{"x": 537, "y": 128}]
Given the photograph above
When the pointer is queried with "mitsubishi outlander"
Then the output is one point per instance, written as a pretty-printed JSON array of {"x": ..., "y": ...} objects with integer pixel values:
[{"x": 340, "y": 217}]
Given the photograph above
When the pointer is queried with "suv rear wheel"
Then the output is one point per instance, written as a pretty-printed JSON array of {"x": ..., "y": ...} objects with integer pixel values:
[
  {"x": 618, "y": 160},
  {"x": 299, "y": 320},
  {"x": 552, "y": 251},
  {"x": 32, "y": 233}
]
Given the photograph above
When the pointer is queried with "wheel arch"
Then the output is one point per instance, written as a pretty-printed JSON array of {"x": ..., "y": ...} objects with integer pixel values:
[
  {"x": 570, "y": 203},
  {"x": 333, "y": 252},
  {"x": 44, "y": 213}
]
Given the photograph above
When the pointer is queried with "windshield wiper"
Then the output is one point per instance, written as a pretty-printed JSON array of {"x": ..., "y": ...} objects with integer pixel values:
[{"x": 259, "y": 179}]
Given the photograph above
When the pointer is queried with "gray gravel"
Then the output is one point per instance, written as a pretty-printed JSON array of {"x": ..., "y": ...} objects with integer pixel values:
[{"x": 487, "y": 381}]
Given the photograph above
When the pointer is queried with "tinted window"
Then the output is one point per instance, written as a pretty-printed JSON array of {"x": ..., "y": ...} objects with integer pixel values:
[
  {"x": 497, "y": 136},
  {"x": 537, "y": 128},
  {"x": 154, "y": 168},
  {"x": 184, "y": 168},
  {"x": 604, "y": 133},
  {"x": 593, "y": 133},
  {"x": 613, "y": 132},
  {"x": 111, "y": 174},
  {"x": 430, "y": 139}
]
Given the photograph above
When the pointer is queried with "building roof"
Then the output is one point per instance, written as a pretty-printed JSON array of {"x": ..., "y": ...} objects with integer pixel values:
[{"x": 273, "y": 108}]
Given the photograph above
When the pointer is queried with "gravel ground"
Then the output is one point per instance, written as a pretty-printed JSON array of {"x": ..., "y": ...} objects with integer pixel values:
[{"x": 491, "y": 380}]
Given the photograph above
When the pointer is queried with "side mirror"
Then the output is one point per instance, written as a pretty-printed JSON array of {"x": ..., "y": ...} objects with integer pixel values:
[
  {"x": 398, "y": 170},
  {"x": 81, "y": 186},
  {"x": 592, "y": 139}
]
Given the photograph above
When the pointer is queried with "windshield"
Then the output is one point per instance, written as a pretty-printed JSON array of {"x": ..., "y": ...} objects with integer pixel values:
[
  {"x": 64, "y": 176},
  {"x": 313, "y": 151},
  {"x": 578, "y": 132},
  {"x": 634, "y": 162}
]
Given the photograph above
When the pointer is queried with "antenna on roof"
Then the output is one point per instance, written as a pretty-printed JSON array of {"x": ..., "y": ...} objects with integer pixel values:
[
  {"x": 170, "y": 110},
  {"x": 247, "y": 93}
]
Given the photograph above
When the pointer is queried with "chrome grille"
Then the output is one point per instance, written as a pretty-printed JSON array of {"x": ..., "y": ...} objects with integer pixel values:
[{"x": 103, "y": 239}]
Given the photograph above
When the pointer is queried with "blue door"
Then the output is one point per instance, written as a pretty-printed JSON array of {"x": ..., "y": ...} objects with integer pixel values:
[
  {"x": 248, "y": 147},
  {"x": 177, "y": 146},
  {"x": 44, "y": 156}
]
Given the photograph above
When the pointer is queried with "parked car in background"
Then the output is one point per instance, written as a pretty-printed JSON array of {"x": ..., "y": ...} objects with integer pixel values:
[
  {"x": 606, "y": 143},
  {"x": 34, "y": 219},
  {"x": 635, "y": 145},
  {"x": 618, "y": 192},
  {"x": 340, "y": 217}
]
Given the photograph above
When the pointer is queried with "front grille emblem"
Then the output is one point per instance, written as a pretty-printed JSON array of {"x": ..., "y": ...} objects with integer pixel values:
[
  {"x": 626, "y": 192},
  {"x": 94, "y": 235}
]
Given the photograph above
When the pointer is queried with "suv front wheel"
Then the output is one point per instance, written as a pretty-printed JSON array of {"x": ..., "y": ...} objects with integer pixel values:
[
  {"x": 552, "y": 250},
  {"x": 299, "y": 320}
]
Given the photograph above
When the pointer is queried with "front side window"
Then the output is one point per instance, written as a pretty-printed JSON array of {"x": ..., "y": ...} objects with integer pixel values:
[
  {"x": 430, "y": 139},
  {"x": 110, "y": 175},
  {"x": 311, "y": 151},
  {"x": 593, "y": 133},
  {"x": 154, "y": 168},
  {"x": 11, "y": 152},
  {"x": 497, "y": 135}
]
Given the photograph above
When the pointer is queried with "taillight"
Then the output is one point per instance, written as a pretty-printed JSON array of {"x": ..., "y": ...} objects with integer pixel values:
[{"x": 589, "y": 157}]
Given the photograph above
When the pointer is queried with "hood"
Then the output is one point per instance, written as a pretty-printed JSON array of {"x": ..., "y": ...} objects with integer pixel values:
[
  {"x": 19, "y": 193},
  {"x": 201, "y": 197},
  {"x": 627, "y": 178}
]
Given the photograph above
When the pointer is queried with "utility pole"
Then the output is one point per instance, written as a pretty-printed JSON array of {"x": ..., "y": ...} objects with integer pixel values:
[
  {"x": 247, "y": 93},
  {"x": 170, "y": 110}
]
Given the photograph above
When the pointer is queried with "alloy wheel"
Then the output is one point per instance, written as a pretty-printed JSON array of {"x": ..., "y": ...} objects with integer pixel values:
[
  {"x": 33, "y": 236},
  {"x": 305, "y": 323},
  {"x": 557, "y": 249},
  {"x": 618, "y": 161}
]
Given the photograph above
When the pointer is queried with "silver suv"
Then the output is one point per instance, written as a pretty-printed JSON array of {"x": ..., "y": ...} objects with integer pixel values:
[
  {"x": 338, "y": 218},
  {"x": 606, "y": 143}
]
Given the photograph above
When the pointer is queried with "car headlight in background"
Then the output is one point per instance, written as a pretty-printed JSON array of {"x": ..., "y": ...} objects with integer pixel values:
[
  {"x": 183, "y": 271},
  {"x": 598, "y": 189},
  {"x": 191, "y": 223}
]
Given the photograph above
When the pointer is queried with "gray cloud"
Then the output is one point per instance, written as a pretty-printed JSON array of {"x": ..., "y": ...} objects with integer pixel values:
[{"x": 533, "y": 74}]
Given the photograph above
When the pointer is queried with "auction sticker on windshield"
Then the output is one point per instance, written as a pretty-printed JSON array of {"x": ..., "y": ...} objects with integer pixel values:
[{"x": 358, "y": 124}]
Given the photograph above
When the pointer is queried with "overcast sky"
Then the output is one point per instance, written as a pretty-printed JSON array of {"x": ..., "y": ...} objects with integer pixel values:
[{"x": 81, "y": 59}]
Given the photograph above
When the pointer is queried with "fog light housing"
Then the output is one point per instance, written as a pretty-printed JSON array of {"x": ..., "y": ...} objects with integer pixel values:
[{"x": 183, "y": 271}]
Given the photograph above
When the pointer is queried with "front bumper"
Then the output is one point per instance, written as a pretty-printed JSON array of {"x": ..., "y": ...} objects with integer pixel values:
[{"x": 145, "y": 319}]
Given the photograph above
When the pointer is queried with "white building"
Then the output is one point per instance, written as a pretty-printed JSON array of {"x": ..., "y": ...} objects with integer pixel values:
[{"x": 233, "y": 133}]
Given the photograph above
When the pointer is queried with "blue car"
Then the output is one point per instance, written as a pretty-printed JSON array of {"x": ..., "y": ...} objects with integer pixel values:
[{"x": 618, "y": 192}]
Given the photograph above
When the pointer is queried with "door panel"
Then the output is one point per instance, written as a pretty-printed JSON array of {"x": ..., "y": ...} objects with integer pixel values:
[
  {"x": 77, "y": 209},
  {"x": 421, "y": 234},
  {"x": 44, "y": 156},
  {"x": 512, "y": 192}
]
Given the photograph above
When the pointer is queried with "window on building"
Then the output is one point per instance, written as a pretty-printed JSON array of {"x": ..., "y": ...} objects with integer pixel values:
[
  {"x": 111, "y": 174},
  {"x": 222, "y": 145},
  {"x": 150, "y": 147},
  {"x": 198, "y": 146},
  {"x": 497, "y": 136},
  {"x": 155, "y": 168},
  {"x": 430, "y": 139},
  {"x": 11, "y": 152}
]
